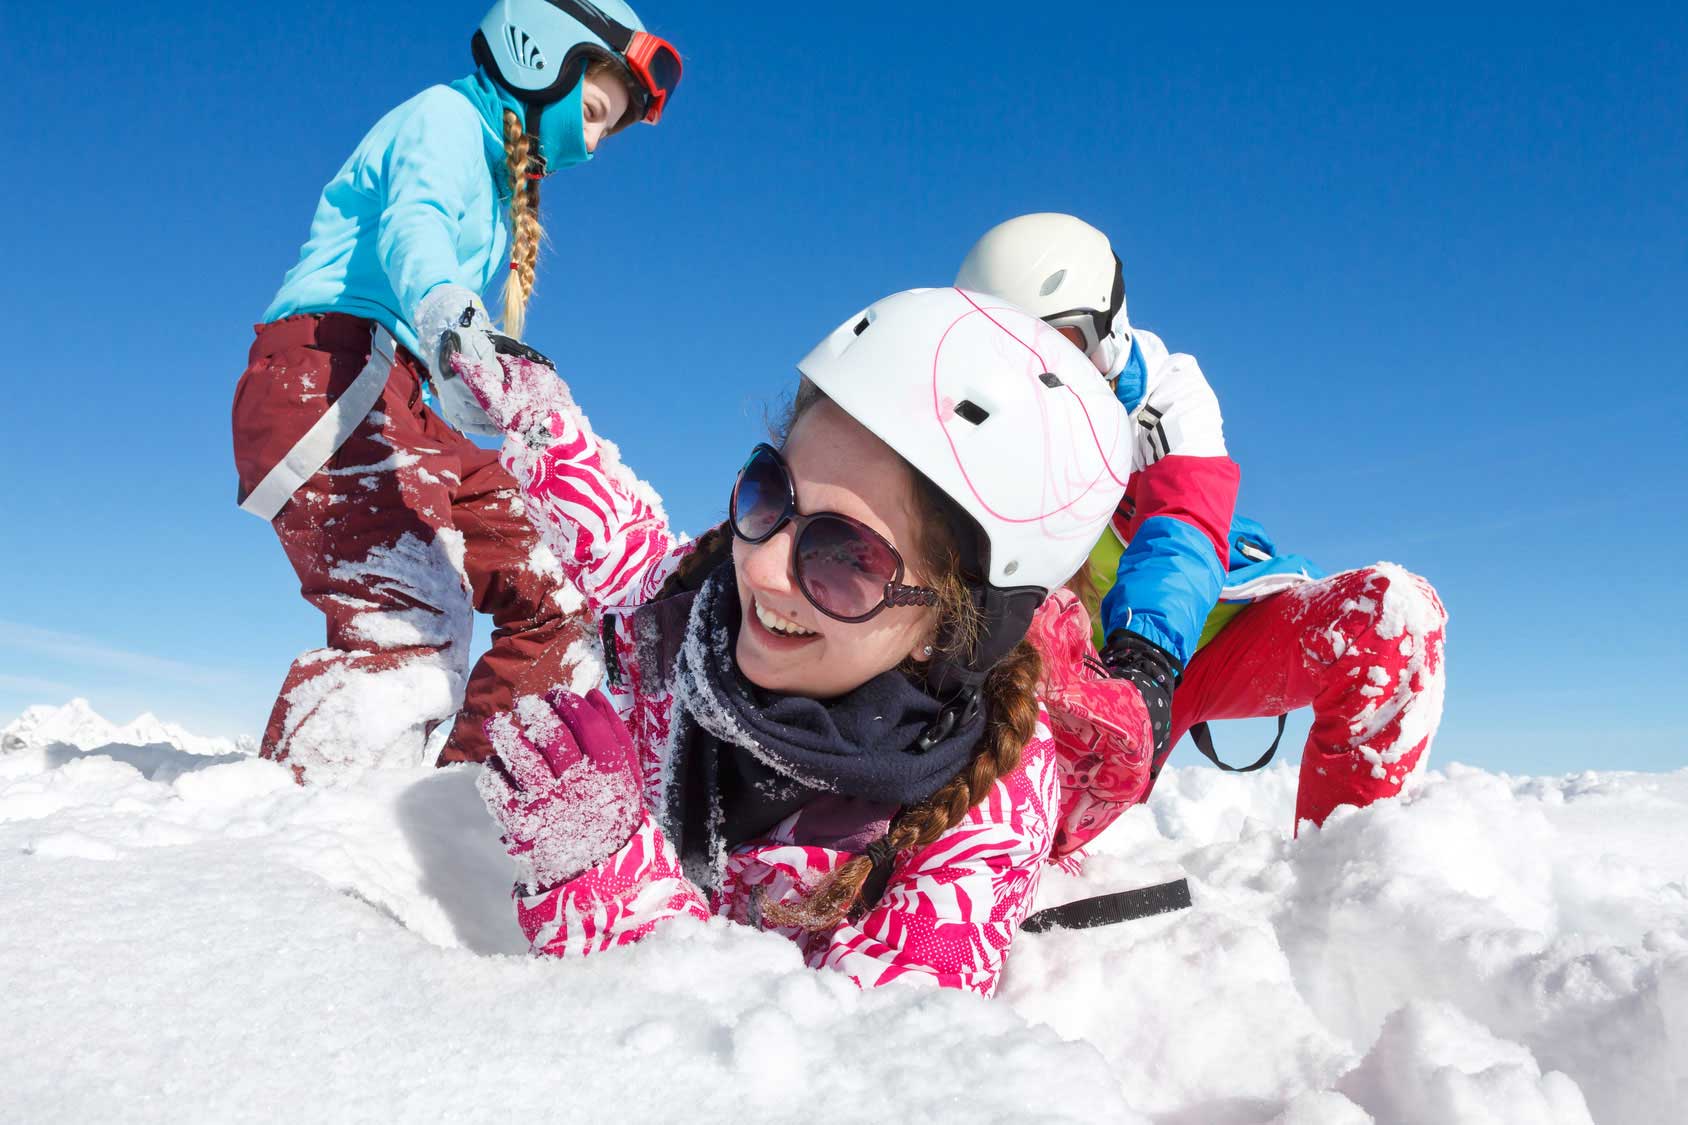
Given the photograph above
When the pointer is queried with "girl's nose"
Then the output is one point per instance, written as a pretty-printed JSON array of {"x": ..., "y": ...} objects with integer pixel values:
[{"x": 768, "y": 565}]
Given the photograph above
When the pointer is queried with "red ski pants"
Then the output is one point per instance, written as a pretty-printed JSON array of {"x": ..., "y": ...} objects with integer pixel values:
[
  {"x": 407, "y": 531},
  {"x": 1363, "y": 649}
]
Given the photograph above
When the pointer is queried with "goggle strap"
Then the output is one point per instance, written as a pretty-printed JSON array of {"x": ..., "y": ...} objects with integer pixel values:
[
  {"x": 1116, "y": 300},
  {"x": 618, "y": 36}
]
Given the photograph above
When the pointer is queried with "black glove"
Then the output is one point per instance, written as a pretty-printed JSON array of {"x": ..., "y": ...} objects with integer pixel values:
[{"x": 1155, "y": 672}]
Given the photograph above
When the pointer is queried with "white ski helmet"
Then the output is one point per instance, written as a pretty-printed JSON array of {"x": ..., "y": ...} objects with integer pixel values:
[
  {"x": 1063, "y": 271},
  {"x": 998, "y": 410}
]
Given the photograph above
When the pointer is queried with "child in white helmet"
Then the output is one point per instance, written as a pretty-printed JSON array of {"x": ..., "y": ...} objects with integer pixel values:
[
  {"x": 823, "y": 718},
  {"x": 1195, "y": 603},
  {"x": 398, "y": 525}
]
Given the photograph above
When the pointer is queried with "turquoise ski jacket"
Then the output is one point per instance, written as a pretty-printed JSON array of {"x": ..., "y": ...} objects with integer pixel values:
[{"x": 420, "y": 203}]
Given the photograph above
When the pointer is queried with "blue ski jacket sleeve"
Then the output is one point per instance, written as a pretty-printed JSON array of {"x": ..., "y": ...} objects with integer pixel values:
[
  {"x": 418, "y": 204},
  {"x": 1180, "y": 503}
]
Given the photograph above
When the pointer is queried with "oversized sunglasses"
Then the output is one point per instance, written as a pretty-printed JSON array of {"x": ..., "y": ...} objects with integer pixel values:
[
  {"x": 845, "y": 569},
  {"x": 652, "y": 59}
]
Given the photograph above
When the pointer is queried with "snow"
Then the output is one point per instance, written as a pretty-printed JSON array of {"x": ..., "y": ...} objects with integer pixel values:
[
  {"x": 591, "y": 815},
  {"x": 184, "y": 933},
  {"x": 374, "y": 709},
  {"x": 77, "y": 725}
]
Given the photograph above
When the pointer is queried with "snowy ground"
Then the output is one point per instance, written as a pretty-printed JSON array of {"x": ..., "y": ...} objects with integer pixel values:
[{"x": 186, "y": 935}]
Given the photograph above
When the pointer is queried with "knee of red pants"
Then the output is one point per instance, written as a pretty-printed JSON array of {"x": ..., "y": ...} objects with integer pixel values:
[
  {"x": 553, "y": 654},
  {"x": 1382, "y": 701},
  {"x": 1385, "y": 602}
]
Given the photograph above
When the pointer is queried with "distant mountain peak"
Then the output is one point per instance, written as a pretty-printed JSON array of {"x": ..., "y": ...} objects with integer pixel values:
[{"x": 77, "y": 724}]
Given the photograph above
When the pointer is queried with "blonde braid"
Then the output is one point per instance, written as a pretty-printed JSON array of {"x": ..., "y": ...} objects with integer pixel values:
[
  {"x": 524, "y": 224},
  {"x": 1010, "y": 699}
]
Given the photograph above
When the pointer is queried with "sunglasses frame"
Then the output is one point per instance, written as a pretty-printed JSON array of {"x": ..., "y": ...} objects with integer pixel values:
[{"x": 894, "y": 593}]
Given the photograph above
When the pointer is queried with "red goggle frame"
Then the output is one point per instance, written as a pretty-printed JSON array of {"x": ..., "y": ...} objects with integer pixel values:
[{"x": 656, "y": 64}]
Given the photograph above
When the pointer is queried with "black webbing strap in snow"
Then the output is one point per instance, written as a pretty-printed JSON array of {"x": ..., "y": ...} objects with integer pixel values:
[
  {"x": 1203, "y": 738},
  {"x": 1106, "y": 910}
]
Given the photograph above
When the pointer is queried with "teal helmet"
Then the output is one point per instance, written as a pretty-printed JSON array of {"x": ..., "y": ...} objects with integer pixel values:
[{"x": 537, "y": 51}]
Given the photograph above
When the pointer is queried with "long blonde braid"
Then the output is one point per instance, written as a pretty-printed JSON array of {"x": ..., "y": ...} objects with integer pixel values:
[{"x": 524, "y": 224}]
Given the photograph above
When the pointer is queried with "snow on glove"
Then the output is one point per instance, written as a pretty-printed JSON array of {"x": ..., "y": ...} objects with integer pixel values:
[
  {"x": 564, "y": 784},
  {"x": 452, "y": 319},
  {"x": 518, "y": 389}
]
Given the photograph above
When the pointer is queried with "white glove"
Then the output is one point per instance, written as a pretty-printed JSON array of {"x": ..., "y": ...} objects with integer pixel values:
[{"x": 451, "y": 319}]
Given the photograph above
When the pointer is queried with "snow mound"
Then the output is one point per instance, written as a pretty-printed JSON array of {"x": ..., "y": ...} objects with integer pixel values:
[{"x": 184, "y": 934}]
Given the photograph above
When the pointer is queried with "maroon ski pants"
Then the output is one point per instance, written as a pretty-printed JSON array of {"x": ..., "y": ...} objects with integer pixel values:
[
  {"x": 1363, "y": 649},
  {"x": 406, "y": 532}
]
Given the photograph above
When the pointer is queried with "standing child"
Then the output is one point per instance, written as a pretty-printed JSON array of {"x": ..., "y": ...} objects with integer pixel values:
[
  {"x": 398, "y": 525},
  {"x": 825, "y": 719}
]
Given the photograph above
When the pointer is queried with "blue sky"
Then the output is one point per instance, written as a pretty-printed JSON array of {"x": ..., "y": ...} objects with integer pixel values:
[{"x": 1433, "y": 260}]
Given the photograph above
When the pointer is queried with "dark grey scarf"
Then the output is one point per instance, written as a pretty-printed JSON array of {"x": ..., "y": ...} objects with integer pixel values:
[{"x": 745, "y": 759}]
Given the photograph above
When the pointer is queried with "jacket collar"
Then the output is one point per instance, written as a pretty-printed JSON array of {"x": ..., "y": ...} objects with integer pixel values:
[{"x": 490, "y": 101}]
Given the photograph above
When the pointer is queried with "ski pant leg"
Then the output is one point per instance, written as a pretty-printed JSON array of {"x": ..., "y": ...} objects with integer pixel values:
[
  {"x": 1363, "y": 649},
  {"x": 541, "y": 632},
  {"x": 371, "y": 540}
]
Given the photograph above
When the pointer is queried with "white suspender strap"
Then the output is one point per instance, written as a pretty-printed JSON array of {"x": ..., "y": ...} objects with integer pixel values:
[{"x": 330, "y": 432}]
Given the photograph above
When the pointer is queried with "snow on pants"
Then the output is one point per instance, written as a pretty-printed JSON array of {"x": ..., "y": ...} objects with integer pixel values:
[
  {"x": 406, "y": 531},
  {"x": 1363, "y": 649}
]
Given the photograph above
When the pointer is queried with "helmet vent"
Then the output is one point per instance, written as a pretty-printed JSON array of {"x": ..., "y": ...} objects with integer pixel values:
[
  {"x": 861, "y": 325},
  {"x": 522, "y": 47},
  {"x": 1053, "y": 282},
  {"x": 1051, "y": 380},
  {"x": 969, "y": 411}
]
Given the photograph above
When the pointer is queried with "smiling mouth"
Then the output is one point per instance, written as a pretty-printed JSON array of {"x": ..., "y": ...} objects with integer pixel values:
[{"x": 781, "y": 626}]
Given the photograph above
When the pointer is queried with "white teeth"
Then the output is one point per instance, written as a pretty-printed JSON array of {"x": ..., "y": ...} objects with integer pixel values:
[{"x": 784, "y": 626}]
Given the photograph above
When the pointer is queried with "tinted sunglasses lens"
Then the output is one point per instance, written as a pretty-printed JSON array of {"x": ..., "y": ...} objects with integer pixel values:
[
  {"x": 761, "y": 497},
  {"x": 842, "y": 568}
]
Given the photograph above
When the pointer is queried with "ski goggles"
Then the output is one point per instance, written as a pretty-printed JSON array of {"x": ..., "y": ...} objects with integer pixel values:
[
  {"x": 1087, "y": 328},
  {"x": 654, "y": 62},
  {"x": 845, "y": 569}
]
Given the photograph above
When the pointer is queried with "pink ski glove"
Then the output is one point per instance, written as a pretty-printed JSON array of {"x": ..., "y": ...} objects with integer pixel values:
[
  {"x": 518, "y": 387},
  {"x": 564, "y": 784},
  {"x": 1103, "y": 737}
]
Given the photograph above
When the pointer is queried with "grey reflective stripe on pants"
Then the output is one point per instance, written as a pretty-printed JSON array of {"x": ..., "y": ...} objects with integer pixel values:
[{"x": 330, "y": 432}]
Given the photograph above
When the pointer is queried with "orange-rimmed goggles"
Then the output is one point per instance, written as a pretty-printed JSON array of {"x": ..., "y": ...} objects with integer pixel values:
[
  {"x": 656, "y": 64},
  {"x": 653, "y": 61}
]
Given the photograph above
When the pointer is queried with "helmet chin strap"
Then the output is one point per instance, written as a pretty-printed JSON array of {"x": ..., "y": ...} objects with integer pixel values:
[
  {"x": 1004, "y": 618},
  {"x": 536, "y": 150}
]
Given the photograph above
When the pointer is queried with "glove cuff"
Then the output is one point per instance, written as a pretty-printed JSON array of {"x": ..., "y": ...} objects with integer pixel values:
[
  {"x": 443, "y": 310},
  {"x": 1126, "y": 650},
  {"x": 1154, "y": 672}
]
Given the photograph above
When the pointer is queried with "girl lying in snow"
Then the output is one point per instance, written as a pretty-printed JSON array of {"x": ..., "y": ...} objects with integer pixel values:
[{"x": 825, "y": 718}]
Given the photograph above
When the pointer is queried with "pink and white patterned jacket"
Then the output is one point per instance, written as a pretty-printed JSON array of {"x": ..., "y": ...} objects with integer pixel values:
[{"x": 950, "y": 910}]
